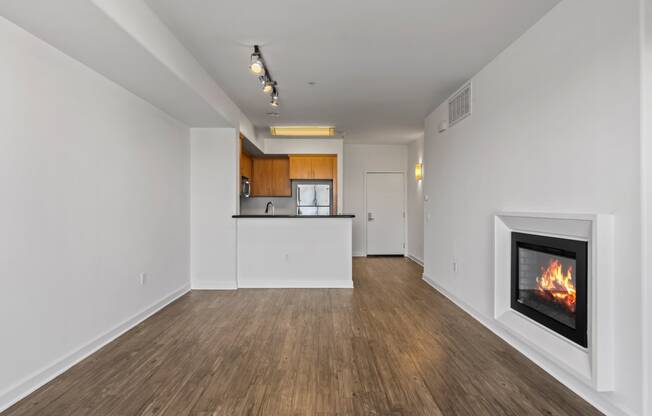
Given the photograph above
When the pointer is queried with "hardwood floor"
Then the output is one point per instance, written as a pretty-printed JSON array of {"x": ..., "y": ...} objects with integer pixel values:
[{"x": 392, "y": 346}]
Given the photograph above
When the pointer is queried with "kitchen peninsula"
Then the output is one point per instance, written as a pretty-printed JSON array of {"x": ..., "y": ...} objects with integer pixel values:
[
  {"x": 290, "y": 251},
  {"x": 288, "y": 231}
]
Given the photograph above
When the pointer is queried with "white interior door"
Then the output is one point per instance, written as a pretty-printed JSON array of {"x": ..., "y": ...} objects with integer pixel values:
[{"x": 385, "y": 214}]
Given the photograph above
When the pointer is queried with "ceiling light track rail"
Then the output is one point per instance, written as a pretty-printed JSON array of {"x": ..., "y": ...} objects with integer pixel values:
[{"x": 258, "y": 67}]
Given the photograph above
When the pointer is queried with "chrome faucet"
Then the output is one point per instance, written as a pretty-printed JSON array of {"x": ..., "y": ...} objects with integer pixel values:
[{"x": 270, "y": 203}]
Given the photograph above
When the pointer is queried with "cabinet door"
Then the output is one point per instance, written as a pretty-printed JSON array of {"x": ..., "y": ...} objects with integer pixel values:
[
  {"x": 322, "y": 167},
  {"x": 245, "y": 165},
  {"x": 300, "y": 167},
  {"x": 261, "y": 184},
  {"x": 281, "y": 177}
]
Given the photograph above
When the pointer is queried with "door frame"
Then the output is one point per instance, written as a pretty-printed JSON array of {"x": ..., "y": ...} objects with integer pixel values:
[{"x": 405, "y": 213}]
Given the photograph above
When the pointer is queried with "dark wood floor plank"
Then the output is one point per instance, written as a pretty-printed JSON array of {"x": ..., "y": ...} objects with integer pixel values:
[{"x": 391, "y": 346}]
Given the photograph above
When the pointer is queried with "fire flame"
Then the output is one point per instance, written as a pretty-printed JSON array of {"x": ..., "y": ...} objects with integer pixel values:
[{"x": 554, "y": 285}]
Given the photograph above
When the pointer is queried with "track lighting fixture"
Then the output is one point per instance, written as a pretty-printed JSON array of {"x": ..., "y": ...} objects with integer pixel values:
[
  {"x": 274, "y": 102},
  {"x": 257, "y": 66},
  {"x": 267, "y": 84}
]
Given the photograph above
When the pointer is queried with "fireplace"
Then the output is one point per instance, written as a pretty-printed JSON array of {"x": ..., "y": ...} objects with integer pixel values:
[{"x": 549, "y": 283}]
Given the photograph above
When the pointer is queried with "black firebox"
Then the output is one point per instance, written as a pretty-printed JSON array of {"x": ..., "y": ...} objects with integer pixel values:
[{"x": 549, "y": 283}]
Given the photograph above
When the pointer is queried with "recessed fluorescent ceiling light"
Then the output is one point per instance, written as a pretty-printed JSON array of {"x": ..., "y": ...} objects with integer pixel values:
[{"x": 303, "y": 131}]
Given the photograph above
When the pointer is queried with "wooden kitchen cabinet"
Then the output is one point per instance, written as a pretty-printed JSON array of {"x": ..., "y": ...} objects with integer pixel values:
[
  {"x": 246, "y": 165},
  {"x": 322, "y": 167},
  {"x": 300, "y": 167},
  {"x": 246, "y": 161},
  {"x": 312, "y": 166},
  {"x": 271, "y": 177},
  {"x": 261, "y": 183},
  {"x": 281, "y": 185}
]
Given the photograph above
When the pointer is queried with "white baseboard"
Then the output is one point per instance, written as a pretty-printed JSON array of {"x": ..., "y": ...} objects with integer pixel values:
[
  {"x": 581, "y": 389},
  {"x": 299, "y": 284},
  {"x": 213, "y": 285},
  {"x": 415, "y": 259},
  {"x": 359, "y": 254},
  {"x": 33, "y": 382}
]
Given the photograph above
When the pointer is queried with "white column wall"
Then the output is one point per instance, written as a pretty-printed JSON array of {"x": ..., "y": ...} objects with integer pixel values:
[
  {"x": 415, "y": 202},
  {"x": 214, "y": 199}
]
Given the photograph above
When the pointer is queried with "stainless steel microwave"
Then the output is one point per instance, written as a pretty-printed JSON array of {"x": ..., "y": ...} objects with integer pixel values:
[{"x": 245, "y": 188}]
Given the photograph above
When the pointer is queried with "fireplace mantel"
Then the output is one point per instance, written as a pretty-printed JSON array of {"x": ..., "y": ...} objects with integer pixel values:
[{"x": 594, "y": 364}]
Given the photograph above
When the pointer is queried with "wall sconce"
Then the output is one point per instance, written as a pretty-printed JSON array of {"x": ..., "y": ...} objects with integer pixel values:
[{"x": 418, "y": 171}]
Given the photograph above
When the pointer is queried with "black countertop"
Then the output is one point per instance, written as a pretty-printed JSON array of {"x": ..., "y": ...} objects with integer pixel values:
[{"x": 294, "y": 216}]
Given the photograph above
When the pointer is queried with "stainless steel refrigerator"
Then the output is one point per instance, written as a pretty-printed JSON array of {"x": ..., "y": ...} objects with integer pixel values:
[{"x": 314, "y": 198}]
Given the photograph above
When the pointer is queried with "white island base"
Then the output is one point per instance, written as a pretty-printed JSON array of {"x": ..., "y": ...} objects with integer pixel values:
[{"x": 294, "y": 252}]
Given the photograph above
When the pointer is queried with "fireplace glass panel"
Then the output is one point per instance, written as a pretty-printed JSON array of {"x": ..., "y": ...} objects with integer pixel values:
[{"x": 547, "y": 283}]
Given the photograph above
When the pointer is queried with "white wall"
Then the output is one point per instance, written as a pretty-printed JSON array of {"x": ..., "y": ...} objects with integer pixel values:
[
  {"x": 555, "y": 127},
  {"x": 95, "y": 190},
  {"x": 646, "y": 189},
  {"x": 294, "y": 253},
  {"x": 415, "y": 202},
  {"x": 359, "y": 159},
  {"x": 214, "y": 199}
]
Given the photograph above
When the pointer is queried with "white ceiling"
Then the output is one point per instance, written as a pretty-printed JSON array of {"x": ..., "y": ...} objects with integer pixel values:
[{"x": 380, "y": 65}]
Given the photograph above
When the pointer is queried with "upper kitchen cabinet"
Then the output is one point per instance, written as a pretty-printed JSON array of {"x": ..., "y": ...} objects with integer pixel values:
[
  {"x": 312, "y": 166},
  {"x": 300, "y": 167},
  {"x": 271, "y": 177},
  {"x": 322, "y": 167},
  {"x": 281, "y": 185},
  {"x": 246, "y": 161},
  {"x": 246, "y": 165}
]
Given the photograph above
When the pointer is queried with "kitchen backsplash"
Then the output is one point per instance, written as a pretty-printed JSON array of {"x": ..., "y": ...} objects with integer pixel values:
[
  {"x": 282, "y": 206},
  {"x": 285, "y": 206}
]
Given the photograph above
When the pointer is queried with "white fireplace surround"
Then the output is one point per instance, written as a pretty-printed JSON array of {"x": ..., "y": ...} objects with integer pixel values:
[{"x": 593, "y": 365}]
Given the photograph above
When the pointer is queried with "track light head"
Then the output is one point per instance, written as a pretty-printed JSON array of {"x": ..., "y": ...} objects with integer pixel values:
[
  {"x": 268, "y": 87},
  {"x": 266, "y": 84},
  {"x": 256, "y": 66}
]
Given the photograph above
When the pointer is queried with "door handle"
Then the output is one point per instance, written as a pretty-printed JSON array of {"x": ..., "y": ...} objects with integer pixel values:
[{"x": 370, "y": 216}]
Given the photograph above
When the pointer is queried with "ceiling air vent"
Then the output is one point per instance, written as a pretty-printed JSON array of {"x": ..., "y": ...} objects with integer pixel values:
[{"x": 459, "y": 105}]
